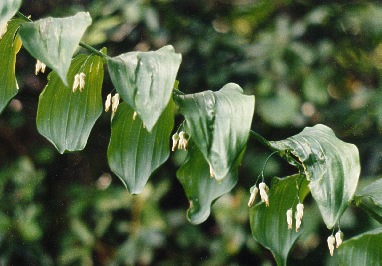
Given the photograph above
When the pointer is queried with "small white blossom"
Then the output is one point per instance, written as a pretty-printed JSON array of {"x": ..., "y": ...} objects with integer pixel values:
[
  {"x": 289, "y": 215},
  {"x": 331, "y": 242},
  {"x": 82, "y": 81},
  {"x": 299, "y": 215},
  {"x": 3, "y": 29},
  {"x": 175, "y": 139},
  {"x": 115, "y": 102},
  {"x": 108, "y": 102},
  {"x": 339, "y": 237},
  {"x": 212, "y": 172},
  {"x": 263, "y": 193},
  {"x": 254, "y": 190},
  {"x": 40, "y": 67},
  {"x": 134, "y": 115},
  {"x": 76, "y": 82},
  {"x": 183, "y": 141}
]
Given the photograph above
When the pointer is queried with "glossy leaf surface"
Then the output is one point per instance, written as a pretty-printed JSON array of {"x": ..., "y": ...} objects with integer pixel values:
[
  {"x": 8, "y": 9},
  {"x": 145, "y": 80},
  {"x": 200, "y": 188},
  {"x": 54, "y": 40},
  {"x": 370, "y": 200},
  {"x": 269, "y": 224},
  {"x": 9, "y": 47},
  {"x": 362, "y": 250},
  {"x": 65, "y": 117},
  {"x": 134, "y": 153},
  {"x": 219, "y": 123},
  {"x": 331, "y": 165}
]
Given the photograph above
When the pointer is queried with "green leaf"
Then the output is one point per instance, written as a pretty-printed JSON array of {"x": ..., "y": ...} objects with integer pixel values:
[
  {"x": 8, "y": 9},
  {"x": 269, "y": 224},
  {"x": 362, "y": 250},
  {"x": 370, "y": 200},
  {"x": 200, "y": 188},
  {"x": 54, "y": 40},
  {"x": 331, "y": 165},
  {"x": 145, "y": 81},
  {"x": 133, "y": 152},
  {"x": 219, "y": 123},
  {"x": 65, "y": 117},
  {"x": 10, "y": 44}
]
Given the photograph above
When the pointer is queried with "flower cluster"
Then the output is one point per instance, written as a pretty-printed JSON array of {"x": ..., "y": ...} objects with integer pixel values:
[
  {"x": 337, "y": 239},
  {"x": 113, "y": 102},
  {"x": 263, "y": 188},
  {"x": 79, "y": 82},
  {"x": 180, "y": 140},
  {"x": 40, "y": 66},
  {"x": 298, "y": 216}
]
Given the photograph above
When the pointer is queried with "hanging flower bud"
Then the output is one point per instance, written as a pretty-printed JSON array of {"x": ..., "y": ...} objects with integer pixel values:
[
  {"x": 254, "y": 190},
  {"x": 3, "y": 29},
  {"x": 299, "y": 215},
  {"x": 108, "y": 102},
  {"x": 289, "y": 215},
  {"x": 40, "y": 66},
  {"x": 115, "y": 102},
  {"x": 183, "y": 141},
  {"x": 263, "y": 193},
  {"x": 76, "y": 82},
  {"x": 175, "y": 139},
  {"x": 339, "y": 237},
  {"x": 134, "y": 115},
  {"x": 82, "y": 81},
  {"x": 212, "y": 172},
  {"x": 331, "y": 242}
]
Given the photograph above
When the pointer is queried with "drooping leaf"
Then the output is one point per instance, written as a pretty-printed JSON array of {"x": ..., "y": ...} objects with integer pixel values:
[
  {"x": 145, "y": 80},
  {"x": 269, "y": 224},
  {"x": 54, "y": 40},
  {"x": 200, "y": 188},
  {"x": 370, "y": 200},
  {"x": 133, "y": 152},
  {"x": 8, "y": 9},
  {"x": 219, "y": 123},
  {"x": 331, "y": 165},
  {"x": 9, "y": 47},
  {"x": 362, "y": 250},
  {"x": 65, "y": 117}
]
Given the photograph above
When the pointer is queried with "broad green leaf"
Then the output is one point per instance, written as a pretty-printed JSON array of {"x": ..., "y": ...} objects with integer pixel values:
[
  {"x": 219, "y": 123},
  {"x": 145, "y": 81},
  {"x": 200, "y": 188},
  {"x": 370, "y": 200},
  {"x": 65, "y": 117},
  {"x": 134, "y": 153},
  {"x": 9, "y": 47},
  {"x": 54, "y": 40},
  {"x": 331, "y": 165},
  {"x": 269, "y": 224},
  {"x": 8, "y": 9},
  {"x": 362, "y": 250}
]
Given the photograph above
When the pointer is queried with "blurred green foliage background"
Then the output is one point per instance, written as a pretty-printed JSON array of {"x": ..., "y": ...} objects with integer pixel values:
[{"x": 307, "y": 62}]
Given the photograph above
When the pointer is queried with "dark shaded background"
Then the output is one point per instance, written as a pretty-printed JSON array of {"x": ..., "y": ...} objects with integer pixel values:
[{"x": 307, "y": 62}]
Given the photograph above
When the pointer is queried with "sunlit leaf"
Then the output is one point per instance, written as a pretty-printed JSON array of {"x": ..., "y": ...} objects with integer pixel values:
[
  {"x": 145, "y": 81},
  {"x": 65, "y": 117},
  {"x": 331, "y": 165},
  {"x": 9, "y": 47},
  {"x": 200, "y": 188},
  {"x": 54, "y": 40},
  {"x": 8, "y": 9},
  {"x": 370, "y": 200},
  {"x": 269, "y": 224},
  {"x": 219, "y": 123},
  {"x": 134, "y": 153},
  {"x": 362, "y": 250}
]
